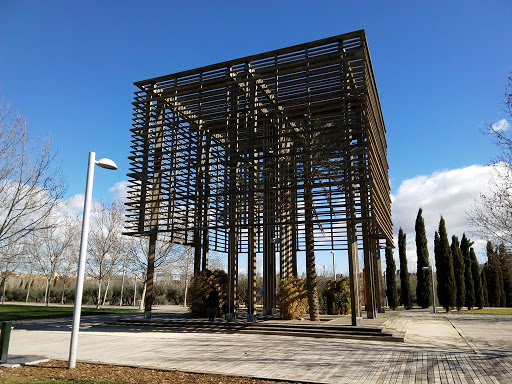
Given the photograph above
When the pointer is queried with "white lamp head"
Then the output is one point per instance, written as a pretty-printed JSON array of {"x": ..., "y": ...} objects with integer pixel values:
[{"x": 106, "y": 163}]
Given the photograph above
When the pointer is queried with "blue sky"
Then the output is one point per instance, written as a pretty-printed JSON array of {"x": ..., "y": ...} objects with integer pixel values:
[{"x": 440, "y": 67}]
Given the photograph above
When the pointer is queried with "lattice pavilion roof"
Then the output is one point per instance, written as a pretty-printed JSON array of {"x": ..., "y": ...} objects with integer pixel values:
[{"x": 235, "y": 144}]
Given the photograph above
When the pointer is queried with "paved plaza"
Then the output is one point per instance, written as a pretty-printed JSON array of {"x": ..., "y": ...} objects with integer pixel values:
[{"x": 458, "y": 348}]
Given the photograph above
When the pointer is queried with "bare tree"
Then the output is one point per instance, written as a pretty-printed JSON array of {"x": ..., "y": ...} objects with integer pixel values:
[
  {"x": 67, "y": 271},
  {"x": 491, "y": 214},
  {"x": 184, "y": 266},
  {"x": 106, "y": 244},
  {"x": 167, "y": 254},
  {"x": 11, "y": 256},
  {"x": 30, "y": 185},
  {"x": 51, "y": 248},
  {"x": 30, "y": 268},
  {"x": 499, "y": 131}
]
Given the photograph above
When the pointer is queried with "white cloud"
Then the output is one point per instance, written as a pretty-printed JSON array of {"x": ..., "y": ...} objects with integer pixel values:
[
  {"x": 447, "y": 193},
  {"x": 74, "y": 206},
  {"x": 75, "y": 203},
  {"x": 121, "y": 190},
  {"x": 501, "y": 125}
]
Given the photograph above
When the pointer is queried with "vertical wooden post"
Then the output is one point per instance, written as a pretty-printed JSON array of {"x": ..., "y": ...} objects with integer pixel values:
[
  {"x": 353, "y": 259},
  {"x": 353, "y": 270},
  {"x": 148, "y": 299},
  {"x": 197, "y": 251},
  {"x": 287, "y": 198},
  {"x": 369, "y": 276},
  {"x": 155, "y": 208},
  {"x": 251, "y": 275},
  {"x": 378, "y": 278},
  {"x": 206, "y": 203},
  {"x": 199, "y": 200},
  {"x": 251, "y": 125},
  {"x": 232, "y": 164},
  {"x": 232, "y": 272},
  {"x": 269, "y": 239},
  {"x": 269, "y": 270}
]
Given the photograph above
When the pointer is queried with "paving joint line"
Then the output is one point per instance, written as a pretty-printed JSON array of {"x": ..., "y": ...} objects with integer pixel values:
[{"x": 464, "y": 337}]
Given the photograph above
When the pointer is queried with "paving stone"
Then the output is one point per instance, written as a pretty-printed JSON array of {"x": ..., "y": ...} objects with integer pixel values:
[{"x": 437, "y": 349}]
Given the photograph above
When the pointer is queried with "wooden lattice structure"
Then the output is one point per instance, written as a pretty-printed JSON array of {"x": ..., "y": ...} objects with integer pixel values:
[{"x": 241, "y": 156}]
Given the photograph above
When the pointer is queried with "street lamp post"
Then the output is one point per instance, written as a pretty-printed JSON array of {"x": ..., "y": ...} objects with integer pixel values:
[
  {"x": 103, "y": 163},
  {"x": 433, "y": 289},
  {"x": 334, "y": 264}
]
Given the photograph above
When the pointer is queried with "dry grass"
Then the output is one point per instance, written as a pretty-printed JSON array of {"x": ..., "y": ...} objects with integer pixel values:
[{"x": 119, "y": 374}]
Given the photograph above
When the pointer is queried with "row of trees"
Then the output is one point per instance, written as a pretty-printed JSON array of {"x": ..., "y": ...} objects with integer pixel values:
[
  {"x": 424, "y": 276},
  {"x": 30, "y": 189},
  {"x": 40, "y": 235},
  {"x": 461, "y": 280},
  {"x": 167, "y": 290},
  {"x": 52, "y": 251}
]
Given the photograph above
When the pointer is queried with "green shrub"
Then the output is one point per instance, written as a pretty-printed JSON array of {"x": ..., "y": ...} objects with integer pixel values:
[
  {"x": 175, "y": 295},
  {"x": 15, "y": 294},
  {"x": 90, "y": 294},
  {"x": 200, "y": 287},
  {"x": 292, "y": 298},
  {"x": 128, "y": 292},
  {"x": 36, "y": 295},
  {"x": 337, "y": 296},
  {"x": 242, "y": 291},
  {"x": 321, "y": 284}
]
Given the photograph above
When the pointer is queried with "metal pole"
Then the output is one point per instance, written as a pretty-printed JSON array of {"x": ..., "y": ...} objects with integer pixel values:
[
  {"x": 81, "y": 262},
  {"x": 122, "y": 284},
  {"x": 135, "y": 289},
  {"x": 334, "y": 264},
  {"x": 433, "y": 291}
]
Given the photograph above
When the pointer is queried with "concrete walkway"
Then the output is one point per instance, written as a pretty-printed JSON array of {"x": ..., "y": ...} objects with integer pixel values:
[{"x": 437, "y": 349}]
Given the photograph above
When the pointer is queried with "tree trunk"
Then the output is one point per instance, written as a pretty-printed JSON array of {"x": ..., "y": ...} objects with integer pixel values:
[
  {"x": 141, "y": 306},
  {"x": 98, "y": 298},
  {"x": 135, "y": 291},
  {"x": 4, "y": 283},
  {"x": 310, "y": 252},
  {"x": 106, "y": 292},
  {"x": 28, "y": 289},
  {"x": 47, "y": 292},
  {"x": 186, "y": 291},
  {"x": 63, "y": 291},
  {"x": 122, "y": 288},
  {"x": 186, "y": 279},
  {"x": 148, "y": 284}
]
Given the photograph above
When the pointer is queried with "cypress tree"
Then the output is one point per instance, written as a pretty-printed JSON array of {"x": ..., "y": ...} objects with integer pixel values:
[
  {"x": 485, "y": 289},
  {"x": 506, "y": 270},
  {"x": 477, "y": 281},
  {"x": 405, "y": 291},
  {"x": 503, "y": 298},
  {"x": 494, "y": 280},
  {"x": 459, "y": 271},
  {"x": 423, "y": 289},
  {"x": 447, "y": 290},
  {"x": 465, "y": 244},
  {"x": 440, "y": 267},
  {"x": 390, "y": 279}
]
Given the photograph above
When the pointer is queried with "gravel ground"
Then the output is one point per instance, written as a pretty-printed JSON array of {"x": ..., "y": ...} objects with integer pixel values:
[{"x": 120, "y": 374}]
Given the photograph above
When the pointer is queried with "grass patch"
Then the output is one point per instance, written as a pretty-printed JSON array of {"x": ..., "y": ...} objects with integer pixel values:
[
  {"x": 10, "y": 379},
  {"x": 399, "y": 308},
  {"x": 10, "y": 312},
  {"x": 491, "y": 311}
]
